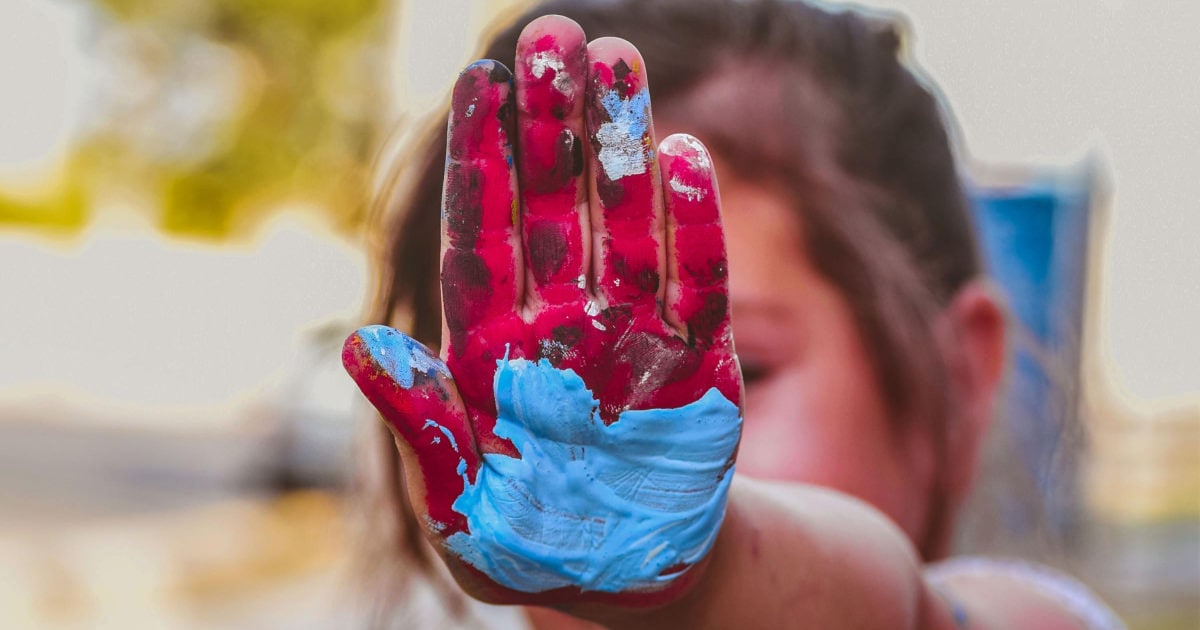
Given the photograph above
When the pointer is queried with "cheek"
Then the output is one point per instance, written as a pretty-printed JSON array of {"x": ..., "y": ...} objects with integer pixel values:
[
  {"x": 805, "y": 426},
  {"x": 821, "y": 426}
]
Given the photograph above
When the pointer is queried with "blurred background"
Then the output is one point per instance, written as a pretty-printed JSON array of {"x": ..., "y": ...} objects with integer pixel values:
[{"x": 183, "y": 194}]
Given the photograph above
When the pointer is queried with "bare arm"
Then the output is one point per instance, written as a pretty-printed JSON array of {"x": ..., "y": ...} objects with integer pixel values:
[
  {"x": 795, "y": 556},
  {"x": 802, "y": 556},
  {"x": 792, "y": 555}
]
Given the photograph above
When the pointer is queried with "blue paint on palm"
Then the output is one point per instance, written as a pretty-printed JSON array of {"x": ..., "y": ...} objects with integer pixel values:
[{"x": 604, "y": 508}]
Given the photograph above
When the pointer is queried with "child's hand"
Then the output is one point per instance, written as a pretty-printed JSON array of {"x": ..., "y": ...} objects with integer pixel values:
[{"x": 578, "y": 441}]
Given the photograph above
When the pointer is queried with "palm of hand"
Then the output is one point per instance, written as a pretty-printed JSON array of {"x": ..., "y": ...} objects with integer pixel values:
[{"x": 586, "y": 436}]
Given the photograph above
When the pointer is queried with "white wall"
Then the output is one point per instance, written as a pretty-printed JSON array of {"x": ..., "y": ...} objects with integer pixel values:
[{"x": 1048, "y": 82}]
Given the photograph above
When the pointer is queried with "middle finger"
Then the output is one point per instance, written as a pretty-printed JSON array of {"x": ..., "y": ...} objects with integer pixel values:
[{"x": 550, "y": 80}]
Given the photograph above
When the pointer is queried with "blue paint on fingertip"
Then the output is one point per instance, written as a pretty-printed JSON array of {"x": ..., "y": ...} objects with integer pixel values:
[
  {"x": 621, "y": 507},
  {"x": 401, "y": 356}
]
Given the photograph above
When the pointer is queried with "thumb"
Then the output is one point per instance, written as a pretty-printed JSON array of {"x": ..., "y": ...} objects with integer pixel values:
[{"x": 415, "y": 393}]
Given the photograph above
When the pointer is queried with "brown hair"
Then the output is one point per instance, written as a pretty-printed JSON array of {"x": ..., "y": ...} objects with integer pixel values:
[{"x": 833, "y": 117}]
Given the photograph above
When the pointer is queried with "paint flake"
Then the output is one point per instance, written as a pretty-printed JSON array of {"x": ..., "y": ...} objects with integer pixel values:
[
  {"x": 692, "y": 193},
  {"x": 548, "y": 346},
  {"x": 622, "y": 144},
  {"x": 446, "y": 432},
  {"x": 702, "y": 160},
  {"x": 541, "y": 61}
]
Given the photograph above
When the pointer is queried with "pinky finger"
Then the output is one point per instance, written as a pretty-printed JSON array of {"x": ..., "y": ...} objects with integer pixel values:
[{"x": 697, "y": 301}]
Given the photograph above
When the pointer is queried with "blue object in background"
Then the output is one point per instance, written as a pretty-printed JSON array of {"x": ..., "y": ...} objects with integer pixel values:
[{"x": 1034, "y": 239}]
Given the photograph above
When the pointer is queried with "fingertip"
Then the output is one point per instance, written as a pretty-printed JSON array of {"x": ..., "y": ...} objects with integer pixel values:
[
  {"x": 551, "y": 69},
  {"x": 563, "y": 28},
  {"x": 610, "y": 48},
  {"x": 689, "y": 181},
  {"x": 616, "y": 63},
  {"x": 494, "y": 71},
  {"x": 687, "y": 146},
  {"x": 372, "y": 351},
  {"x": 356, "y": 354},
  {"x": 480, "y": 94}
]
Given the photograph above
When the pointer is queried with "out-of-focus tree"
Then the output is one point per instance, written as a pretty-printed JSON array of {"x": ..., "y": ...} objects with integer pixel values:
[{"x": 215, "y": 111}]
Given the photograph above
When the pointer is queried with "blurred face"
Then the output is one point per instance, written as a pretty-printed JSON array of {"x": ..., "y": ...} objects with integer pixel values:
[{"x": 814, "y": 412}]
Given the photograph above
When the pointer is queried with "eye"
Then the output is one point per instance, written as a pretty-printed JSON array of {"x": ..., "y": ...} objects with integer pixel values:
[{"x": 753, "y": 371}]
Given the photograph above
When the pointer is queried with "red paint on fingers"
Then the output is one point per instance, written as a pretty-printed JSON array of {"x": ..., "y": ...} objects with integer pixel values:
[
  {"x": 481, "y": 277},
  {"x": 626, "y": 204},
  {"x": 550, "y": 79},
  {"x": 697, "y": 293},
  {"x": 482, "y": 274}
]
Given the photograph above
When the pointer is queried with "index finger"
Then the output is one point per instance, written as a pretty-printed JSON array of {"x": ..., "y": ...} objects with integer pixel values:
[
  {"x": 551, "y": 81},
  {"x": 482, "y": 276}
]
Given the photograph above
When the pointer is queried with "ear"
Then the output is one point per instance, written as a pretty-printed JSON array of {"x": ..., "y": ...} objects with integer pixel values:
[{"x": 973, "y": 330}]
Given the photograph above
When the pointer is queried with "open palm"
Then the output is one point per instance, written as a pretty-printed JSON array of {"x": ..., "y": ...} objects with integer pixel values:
[{"x": 580, "y": 435}]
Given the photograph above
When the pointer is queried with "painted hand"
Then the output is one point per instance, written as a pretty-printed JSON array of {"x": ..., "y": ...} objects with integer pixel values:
[{"x": 578, "y": 441}]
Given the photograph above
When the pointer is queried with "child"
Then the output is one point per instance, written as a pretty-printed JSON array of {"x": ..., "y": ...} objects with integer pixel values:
[{"x": 576, "y": 448}]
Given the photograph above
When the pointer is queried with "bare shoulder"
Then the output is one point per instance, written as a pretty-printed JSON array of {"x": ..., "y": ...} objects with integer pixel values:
[{"x": 999, "y": 593}]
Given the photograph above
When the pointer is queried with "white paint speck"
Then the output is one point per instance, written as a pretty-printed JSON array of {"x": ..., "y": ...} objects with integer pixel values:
[
  {"x": 547, "y": 59},
  {"x": 654, "y": 552},
  {"x": 702, "y": 159},
  {"x": 692, "y": 193},
  {"x": 591, "y": 308},
  {"x": 470, "y": 110},
  {"x": 598, "y": 325},
  {"x": 581, "y": 281},
  {"x": 547, "y": 345}
]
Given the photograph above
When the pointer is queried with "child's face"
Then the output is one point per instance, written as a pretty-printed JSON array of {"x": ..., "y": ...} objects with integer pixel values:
[{"x": 814, "y": 412}]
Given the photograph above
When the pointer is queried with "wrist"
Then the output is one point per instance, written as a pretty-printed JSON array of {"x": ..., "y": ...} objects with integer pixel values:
[{"x": 685, "y": 601}]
